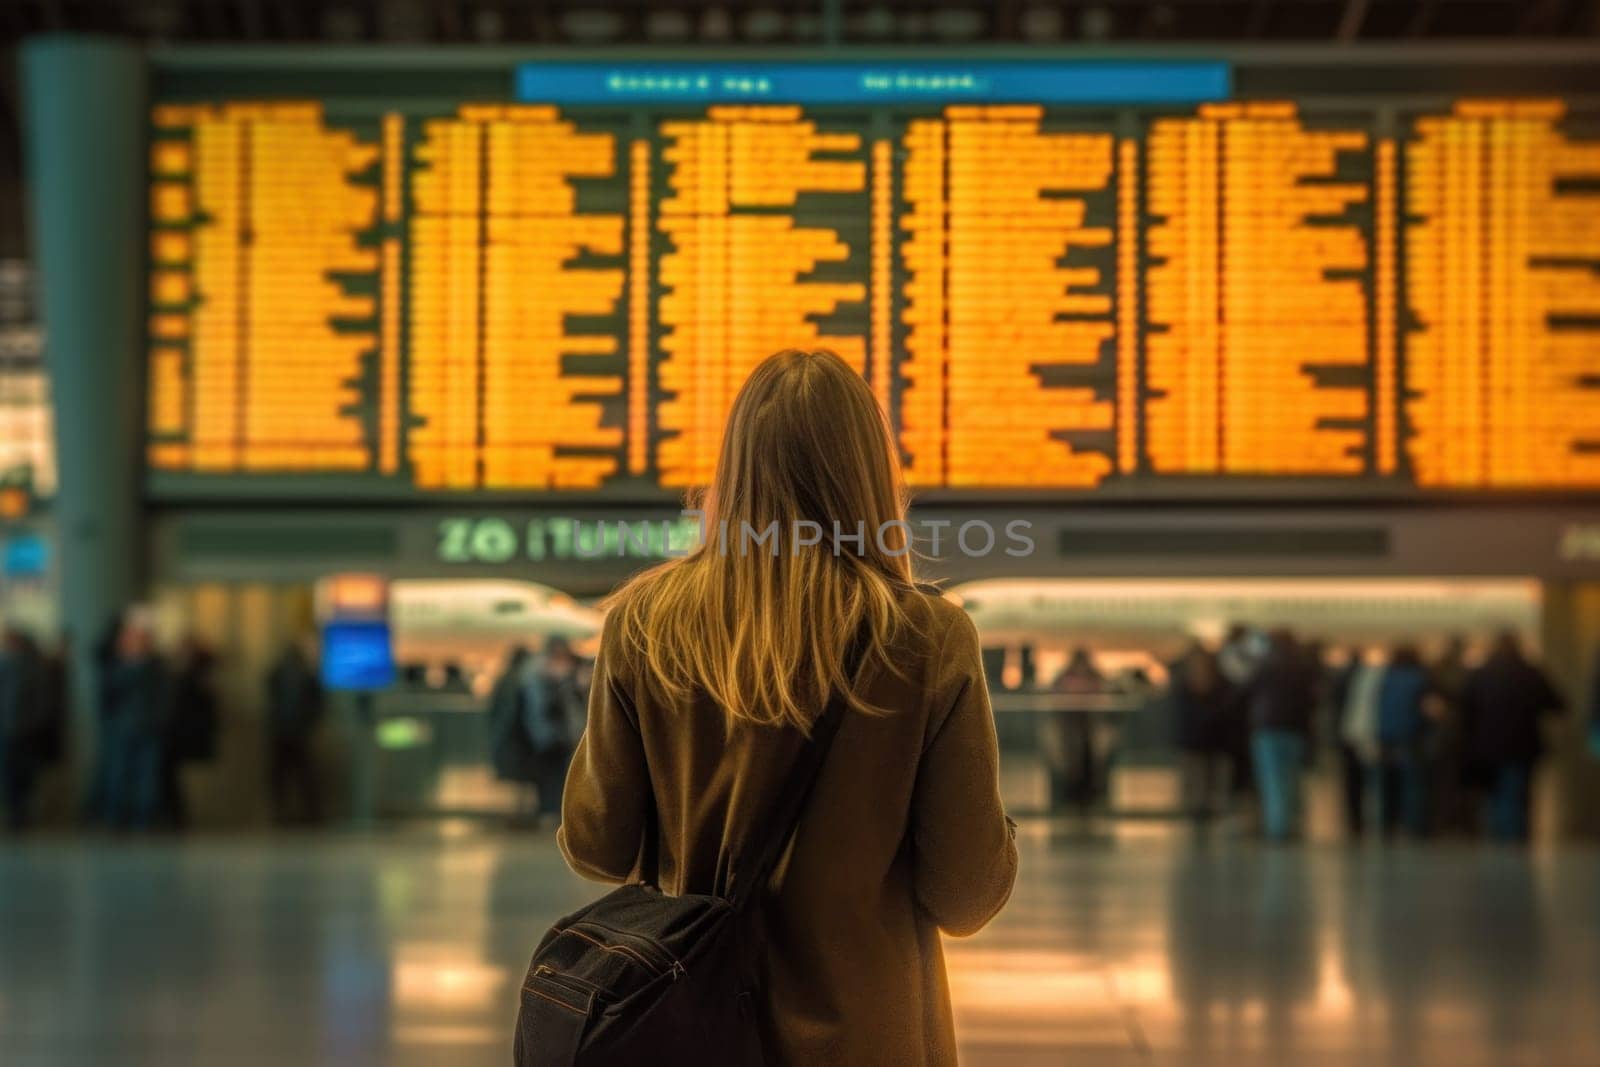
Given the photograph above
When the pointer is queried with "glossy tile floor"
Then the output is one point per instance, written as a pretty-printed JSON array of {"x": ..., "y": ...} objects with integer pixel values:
[{"x": 1126, "y": 947}]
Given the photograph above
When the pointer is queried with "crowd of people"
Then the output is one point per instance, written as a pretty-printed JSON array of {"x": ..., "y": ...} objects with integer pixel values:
[
  {"x": 1424, "y": 747},
  {"x": 157, "y": 714}
]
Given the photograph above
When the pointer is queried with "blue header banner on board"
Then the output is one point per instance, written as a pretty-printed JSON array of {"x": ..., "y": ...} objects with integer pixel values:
[{"x": 1022, "y": 81}]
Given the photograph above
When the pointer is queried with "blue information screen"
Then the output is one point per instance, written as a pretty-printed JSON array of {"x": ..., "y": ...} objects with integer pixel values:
[
  {"x": 25, "y": 556},
  {"x": 357, "y": 656}
]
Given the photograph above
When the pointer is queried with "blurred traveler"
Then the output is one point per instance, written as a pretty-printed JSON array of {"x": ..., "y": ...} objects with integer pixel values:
[
  {"x": 1449, "y": 672},
  {"x": 1279, "y": 699},
  {"x": 455, "y": 679},
  {"x": 712, "y": 672},
  {"x": 1243, "y": 648},
  {"x": 1448, "y": 807},
  {"x": 1354, "y": 731},
  {"x": 47, "y": 740},
  {"x": 1066, "y": 738},
  {"x": 1201, "y": 700},
  {"x": 1402, "y": 727},
  {"x": 1080, "y": 675},
  {"x": 1361, "y": 748},
  {"x": 1132, "y": 681},
  {"x": 23, "y": 724},
  {"x": 192, "y": 730},
  {"x": 1502, "y": 705},
  {"x": 1027, "y": 669},
  {"x": 553, "y": 714},
  {"x": 1323, "y": 673},
  {"x": 510, "y": 748},
  {"x": 138, "y": 694},
  {"x": 97, "y": 808},
  {"x": 54, "y": 682},
  {"x": 1239, "y": 658},
  {"x": 294, "y": 708}
]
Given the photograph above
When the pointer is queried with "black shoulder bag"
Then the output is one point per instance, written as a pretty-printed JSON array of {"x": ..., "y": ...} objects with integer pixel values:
[{"x": 640, "y": 977}]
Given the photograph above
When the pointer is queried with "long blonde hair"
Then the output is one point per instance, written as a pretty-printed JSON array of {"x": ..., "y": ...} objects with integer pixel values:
[{"x": 760, "y": 619}]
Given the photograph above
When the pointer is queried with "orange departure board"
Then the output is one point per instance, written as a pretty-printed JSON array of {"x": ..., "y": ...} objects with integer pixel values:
[
  {"x": 256, "y": 337},
  {"x": 1258, "y": 296},
  {"x": 504, "y": 387},
  {"x": 1007, "y": 265},
  {"x": 739, "y": 276},
  {"x": 1257, "y": 338},
  {"x": 1503, "y": 280}
]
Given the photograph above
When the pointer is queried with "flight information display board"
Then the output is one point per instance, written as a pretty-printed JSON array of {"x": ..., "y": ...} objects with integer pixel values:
[{"x": 1131, "y": 284}]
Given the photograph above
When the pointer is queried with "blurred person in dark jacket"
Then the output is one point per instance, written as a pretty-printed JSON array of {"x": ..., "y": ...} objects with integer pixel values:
[
  {"x": 1449, "y": 672},
  {"x": 1066, "y": 738},
  {"x": 1403, "y": 693},
  {"x": 23, "y": 722},
  {"x": 192, "y": 730},
  {"x": 43, "y": 739},
  {"x": 1239, "y": 657},
  {"x": 97, "y": 807},
  {"x": 553, "y": 714},
  {"x": 1503, "y": 703},
  {"x": 1243, "y": 648},
  {"x": 1360, "y": 748},
  {"x": 1352, "y": 764},
  {"x": 1279, "y": 701},
  {"x": 138, "y": 703},
  {"x": 1320, "y": 663},
  {"x": 294, "y": 708},
  {"x": 1448, "y": 807},
  {"x": 1202, "y": 701},
  {"x": 56, "y": 671},
  {"x": 511, "y": 751}
]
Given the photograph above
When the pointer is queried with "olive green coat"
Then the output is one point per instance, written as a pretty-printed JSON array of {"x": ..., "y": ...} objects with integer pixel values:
[{"x": 904, "y": 835}]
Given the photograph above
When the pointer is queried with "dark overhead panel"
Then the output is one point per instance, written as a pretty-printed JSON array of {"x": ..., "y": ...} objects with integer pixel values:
[{"x": 873, "y": 23}]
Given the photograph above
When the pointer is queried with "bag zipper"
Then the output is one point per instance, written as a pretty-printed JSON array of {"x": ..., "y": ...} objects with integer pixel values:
[
  {"x": 632, "y": 955},
  {"x": 658, "y": 958},
  {"x": 656, "y": 948},
  {"x": 588, "y": 997},
  {"x": 577, "y": 985}
]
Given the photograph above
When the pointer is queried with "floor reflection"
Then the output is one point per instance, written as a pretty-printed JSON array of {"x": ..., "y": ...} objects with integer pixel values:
[{"x": 1134, "y": 945}]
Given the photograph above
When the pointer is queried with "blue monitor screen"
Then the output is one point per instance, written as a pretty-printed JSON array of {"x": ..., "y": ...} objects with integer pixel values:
[{"x": 357, "y": 656}]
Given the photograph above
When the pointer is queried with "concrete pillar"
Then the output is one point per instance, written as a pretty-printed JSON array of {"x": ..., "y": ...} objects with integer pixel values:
[{"x": 84, "y": 118}]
